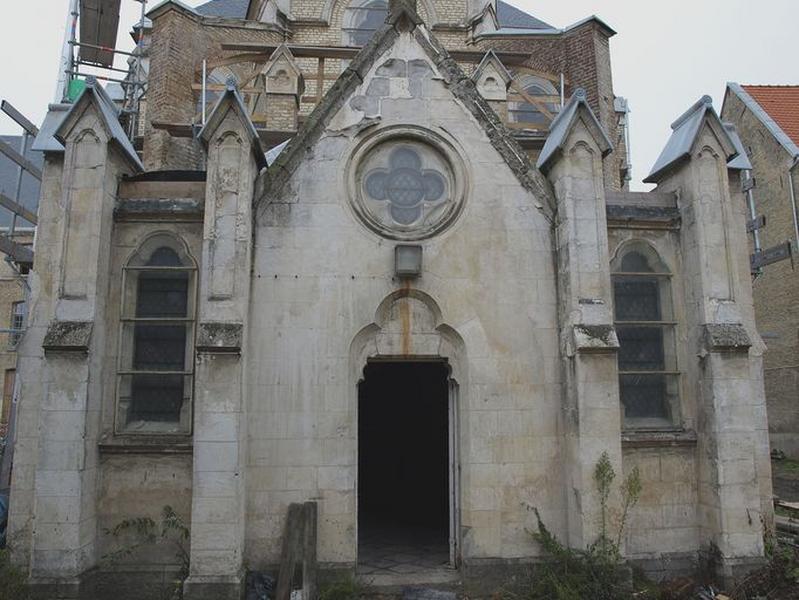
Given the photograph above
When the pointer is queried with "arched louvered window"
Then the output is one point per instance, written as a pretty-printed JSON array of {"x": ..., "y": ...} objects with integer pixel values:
[
  {"x": 361, "y": 19},
  {"x": 644, "y": 317},
  {"x": 155, "y": 371}
]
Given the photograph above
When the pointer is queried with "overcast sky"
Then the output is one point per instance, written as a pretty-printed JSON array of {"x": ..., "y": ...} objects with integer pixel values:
[{"x": 665, "y": 56}]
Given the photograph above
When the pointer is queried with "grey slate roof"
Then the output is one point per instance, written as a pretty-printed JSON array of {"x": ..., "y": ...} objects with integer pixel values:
[
  {"x": 232, "y": 99},
  {"x": 741, "y": 161},
  {"x": 511, "y": 17},
  {"x": 559, "y": 130},
  {"x": 45, "y": 142},
  {"x": 508, "y": 16},
  {"x": 29, "y": 192},
  {"x": 684, "y": 132},
  {"x": 110, "y": 115},
  {"x": 231, "y": 9}
]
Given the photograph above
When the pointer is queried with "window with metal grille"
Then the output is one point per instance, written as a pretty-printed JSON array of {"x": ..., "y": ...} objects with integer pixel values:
[
  {"x": 19, "y": 311},
  {"x": 648, "y": 374},
  {"x": 361, "y": 19},
  {"x": 155, "y": 373}
]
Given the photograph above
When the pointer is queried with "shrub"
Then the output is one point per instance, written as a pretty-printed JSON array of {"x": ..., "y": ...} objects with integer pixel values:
[
  {"x": 596, "y": 572},
  {"x": 12, "y": 581}
]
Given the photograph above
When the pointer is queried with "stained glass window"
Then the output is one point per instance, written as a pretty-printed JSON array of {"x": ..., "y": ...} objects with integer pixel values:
[
  {"x": 648, "y": 376},
  {"x": 155, "y": 375},
  {"x": 405, "y": 185}
]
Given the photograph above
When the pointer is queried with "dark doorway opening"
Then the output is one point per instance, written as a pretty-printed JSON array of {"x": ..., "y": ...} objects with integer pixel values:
[{"x": 403, "y": 467}]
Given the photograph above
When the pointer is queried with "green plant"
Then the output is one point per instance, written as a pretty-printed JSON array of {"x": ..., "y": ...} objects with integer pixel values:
[
  {"x": 597, "y": 571},
  {"x": 12, "y": 580},
  {"x": 140, "y": 532},
  {"x": 343, "y": 589}
]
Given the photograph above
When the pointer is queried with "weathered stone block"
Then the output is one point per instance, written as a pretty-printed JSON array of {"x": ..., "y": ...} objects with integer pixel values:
[{"x": 68, "y": 336}]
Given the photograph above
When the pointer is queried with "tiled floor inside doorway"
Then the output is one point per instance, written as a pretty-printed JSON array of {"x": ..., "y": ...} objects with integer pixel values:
[{"x": 388, "y": 555}]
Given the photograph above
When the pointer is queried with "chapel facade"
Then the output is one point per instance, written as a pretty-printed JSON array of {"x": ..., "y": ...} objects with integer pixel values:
[{"x": 382, "y": 259}]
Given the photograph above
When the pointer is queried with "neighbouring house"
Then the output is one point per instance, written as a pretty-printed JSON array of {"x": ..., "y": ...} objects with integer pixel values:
[
  {"x": 767, "y": 120},
  {"x": 13, "y": 307},
  {"x": 382, "y": 257}
]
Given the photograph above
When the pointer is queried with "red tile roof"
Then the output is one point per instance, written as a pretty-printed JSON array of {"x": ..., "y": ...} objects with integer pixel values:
[{"x": 781, "y": 102}]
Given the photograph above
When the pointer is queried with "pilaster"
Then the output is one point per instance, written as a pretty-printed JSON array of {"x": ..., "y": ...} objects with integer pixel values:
[
  {"x": 729, "y": 392},
  {"x": 61, "y": 360},
  {"x": 218, "y": 501},
  {"x": 572, "y": 160}
]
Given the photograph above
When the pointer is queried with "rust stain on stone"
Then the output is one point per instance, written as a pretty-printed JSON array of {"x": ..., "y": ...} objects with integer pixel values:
[{"x": 405, "y": 320}]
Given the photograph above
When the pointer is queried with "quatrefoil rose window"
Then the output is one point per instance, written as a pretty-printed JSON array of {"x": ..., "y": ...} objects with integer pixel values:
[{"x": 406, "y": 188}]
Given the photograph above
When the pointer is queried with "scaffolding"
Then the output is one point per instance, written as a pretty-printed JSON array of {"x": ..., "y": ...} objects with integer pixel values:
[{"x": 90, "y": 41}]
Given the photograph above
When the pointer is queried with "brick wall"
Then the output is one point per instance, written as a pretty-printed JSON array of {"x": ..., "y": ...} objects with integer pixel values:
[
  {"x": 180, "y": 42},
  {"x": 777, "y": 289}
]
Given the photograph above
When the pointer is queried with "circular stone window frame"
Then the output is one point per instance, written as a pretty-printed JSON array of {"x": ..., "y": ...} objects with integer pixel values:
[{"x": 447, "y": 151}]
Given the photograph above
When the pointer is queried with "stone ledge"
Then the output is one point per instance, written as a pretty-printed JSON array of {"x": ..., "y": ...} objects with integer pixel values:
[
  {"x": 658, "y": 439},
  {"x": 595, "y": 339},
  {"x": 68, "y": 336},
  {"x": 158, "y": 209},
  {"x": 198, "y": 587},
  {"x": 159, "y": 447},
  {"x": 219, "y": 338},
  {"x": 726, "y": 337}
]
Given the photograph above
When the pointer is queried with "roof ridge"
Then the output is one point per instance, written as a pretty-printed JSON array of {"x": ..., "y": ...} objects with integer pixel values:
[{"x": 771, "y": 85}]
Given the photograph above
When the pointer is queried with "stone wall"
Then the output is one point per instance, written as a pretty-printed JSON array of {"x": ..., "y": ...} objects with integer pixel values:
[{"x": 327, "y": 301}]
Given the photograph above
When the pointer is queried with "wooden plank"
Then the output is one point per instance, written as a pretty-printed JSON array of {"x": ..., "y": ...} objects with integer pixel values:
[
  {"x": 17, "y": 252},
  {"x": 18, "y": 117},
  {"x": 292, "y": 547},
  {"x": 218, "y": 87},
  {"x": 771, "y": 255},
  {"x": 320, "y": 78},
  {"x": 17, "y": 208},
  {"x": 299, "y": 51},
  {"x": 553, "y": 78},
  {"x": 175, "y": 129},
  {"x": 99, "y": 22},
  {"x": 309, "y": 564},
  {"x": 20, "y": 160},
  {"x": 542, "y": 108},
  {"x": 755, "y": 224}
]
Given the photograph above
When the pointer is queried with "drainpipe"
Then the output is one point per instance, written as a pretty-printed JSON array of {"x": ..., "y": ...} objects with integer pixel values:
[
  {"x": 793, "y": 203},
  {"x": 750, "y": 200}
]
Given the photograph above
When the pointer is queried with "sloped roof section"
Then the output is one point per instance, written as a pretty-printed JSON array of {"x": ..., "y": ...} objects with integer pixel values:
[
  {"x": 229, "y": 9},
  {"x": 109, "y": 113},
  {"x": 231, "y": 100},
  {"x": 684, "y": 133},
  {"x": 781, "y": 102},
  {"x": 511, "y": 17},
  {"x": 562, "y": 125},
  {"x": 404, "y": 18},
  {"x": 741, "y": 161}
]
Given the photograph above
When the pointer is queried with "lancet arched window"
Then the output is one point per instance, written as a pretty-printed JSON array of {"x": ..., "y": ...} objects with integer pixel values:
[
  {"x": 644, "y": 317},
  {"x": 155, "y": 374},
  {"x": 361, "y": 19}
]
